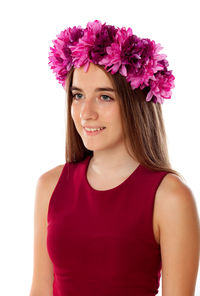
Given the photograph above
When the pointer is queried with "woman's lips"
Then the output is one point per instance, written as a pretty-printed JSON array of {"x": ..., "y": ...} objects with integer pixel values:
[{"x": 93, "y": 133}]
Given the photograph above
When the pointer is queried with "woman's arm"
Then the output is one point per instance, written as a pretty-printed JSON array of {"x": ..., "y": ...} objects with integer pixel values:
[
  {"x": 179, "y": 237},
  {"x": 42, "y": 281}
]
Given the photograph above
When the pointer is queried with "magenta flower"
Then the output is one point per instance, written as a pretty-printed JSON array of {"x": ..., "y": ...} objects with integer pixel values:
[
  {"x": 60, "y": 59},
  {"x": 118, "y": 50},
  {"x": 161, "y": 87},
  {"x": 93, "y": 45},
  {"x": 114, "y": 60}
]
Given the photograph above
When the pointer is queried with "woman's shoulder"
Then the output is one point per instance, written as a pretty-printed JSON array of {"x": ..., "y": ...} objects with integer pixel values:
[
  {"x": 173, "y": 195},
  {"x": 52, "y": 173},
  {"x": 171, "y": 183},
  {"x": 49, "y": 179}
]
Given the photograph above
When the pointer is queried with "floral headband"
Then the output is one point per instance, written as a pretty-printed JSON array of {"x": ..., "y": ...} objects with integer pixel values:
[{"x": 118, "y": 50}]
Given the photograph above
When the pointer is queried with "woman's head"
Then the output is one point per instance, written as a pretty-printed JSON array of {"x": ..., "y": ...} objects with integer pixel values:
[
  {"x": 94, "y": 104},
  {"x": 129, "y": 119}
]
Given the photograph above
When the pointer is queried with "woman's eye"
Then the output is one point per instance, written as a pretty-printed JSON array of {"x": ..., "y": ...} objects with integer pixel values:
[
  {"x": 107, "y": 98},
  {"x": 74, "y": 95}
]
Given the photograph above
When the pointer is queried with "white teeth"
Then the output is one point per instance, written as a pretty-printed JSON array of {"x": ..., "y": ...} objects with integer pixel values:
[{"x": 94, "y": 129}]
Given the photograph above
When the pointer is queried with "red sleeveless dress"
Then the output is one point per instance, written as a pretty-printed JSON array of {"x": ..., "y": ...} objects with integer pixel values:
[{"x": 101, "y": 243}]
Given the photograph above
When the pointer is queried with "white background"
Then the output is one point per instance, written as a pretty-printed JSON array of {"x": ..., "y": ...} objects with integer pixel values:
[{"x": 32, "y": 111}]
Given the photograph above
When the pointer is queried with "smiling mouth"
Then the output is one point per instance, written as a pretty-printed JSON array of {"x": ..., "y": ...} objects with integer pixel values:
[
  {"x": 95, "y": 132},
  {"x": 93, "y": 129}
]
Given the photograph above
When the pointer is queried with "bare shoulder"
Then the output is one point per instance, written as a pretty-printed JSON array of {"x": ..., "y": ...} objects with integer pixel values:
[
  {"x": 49, "y": 179},
  {"x": 174, "y": 202},
  {"x": 52, "y": 174},
  {"x": 172, "y": 188}
]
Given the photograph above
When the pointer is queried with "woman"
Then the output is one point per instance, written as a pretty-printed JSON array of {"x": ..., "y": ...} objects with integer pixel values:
[{"x": 115, "y": 213}]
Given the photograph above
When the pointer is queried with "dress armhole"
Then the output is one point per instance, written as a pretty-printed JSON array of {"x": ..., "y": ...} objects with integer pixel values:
[
  {"x": 163, "y": 174},
  {"x": 58, "y": 184}
]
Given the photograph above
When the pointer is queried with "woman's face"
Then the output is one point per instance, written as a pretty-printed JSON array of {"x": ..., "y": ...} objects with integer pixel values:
[{"x": 96, "y": 108}]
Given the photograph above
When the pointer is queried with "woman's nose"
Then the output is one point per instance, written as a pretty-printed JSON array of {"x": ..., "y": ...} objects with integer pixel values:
[{"x": 88, "y": 109}]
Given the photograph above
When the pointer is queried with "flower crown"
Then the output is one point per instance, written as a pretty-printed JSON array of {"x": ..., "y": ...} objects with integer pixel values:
[{"x": 118, "y": 50}]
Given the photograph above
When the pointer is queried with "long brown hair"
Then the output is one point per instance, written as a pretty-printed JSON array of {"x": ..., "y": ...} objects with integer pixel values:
[{"x": 142, "y": 124}]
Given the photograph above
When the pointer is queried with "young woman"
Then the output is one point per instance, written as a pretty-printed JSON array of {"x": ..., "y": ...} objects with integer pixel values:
[{"x": 115, "y": 215}]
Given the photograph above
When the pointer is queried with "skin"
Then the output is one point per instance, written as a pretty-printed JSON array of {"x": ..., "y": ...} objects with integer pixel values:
[
  {"x": 179, "y": 228},
  {"x": 91, "y": 108}
]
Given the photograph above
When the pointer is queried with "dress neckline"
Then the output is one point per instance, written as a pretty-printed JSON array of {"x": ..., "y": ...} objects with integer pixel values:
[{"x": 125, "y": 182}]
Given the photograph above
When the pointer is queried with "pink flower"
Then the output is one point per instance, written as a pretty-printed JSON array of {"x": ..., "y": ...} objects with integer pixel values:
[
  {"x": 161, "y": 87},
  {"x": 60, "y": 59},
  {"x": 93, "y": 45},
  {"x": 118, "y": 50}
]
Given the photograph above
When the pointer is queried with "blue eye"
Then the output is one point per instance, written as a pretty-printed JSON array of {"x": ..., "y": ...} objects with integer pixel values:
[
  {"x": 107, "y": 97},
  {"x": 74, "y": 96}
]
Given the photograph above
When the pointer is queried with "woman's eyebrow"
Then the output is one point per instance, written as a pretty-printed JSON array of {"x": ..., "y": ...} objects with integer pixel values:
[{"x": 96, "y": 89}]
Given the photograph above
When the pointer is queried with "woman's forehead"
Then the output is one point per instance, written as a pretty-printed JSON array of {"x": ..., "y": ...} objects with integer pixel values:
[{"x": 95, "y": 77}]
